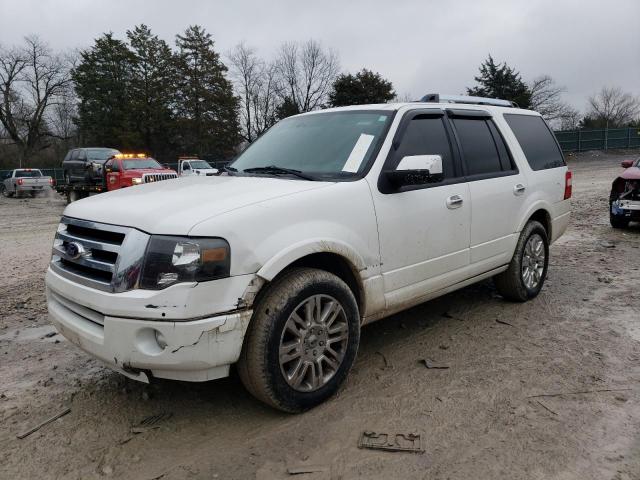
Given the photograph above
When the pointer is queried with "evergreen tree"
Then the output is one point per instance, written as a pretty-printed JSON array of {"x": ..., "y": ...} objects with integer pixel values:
[
  {"x": 102, "y": 80},
  {"x": 206, "y": 106},
  {"x": 501, "y": 81},
  {"x": 151, "y": 91},
  {"x": 287, "y": 108},
  {"x": 362, "y": 88}
]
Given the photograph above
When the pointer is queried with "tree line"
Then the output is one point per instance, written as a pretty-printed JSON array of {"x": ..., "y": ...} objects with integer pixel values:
[{"x": 142, "y": 94}]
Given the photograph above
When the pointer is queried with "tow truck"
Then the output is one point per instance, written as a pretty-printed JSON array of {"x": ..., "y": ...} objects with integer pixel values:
[{"x": 120, "y": 171}]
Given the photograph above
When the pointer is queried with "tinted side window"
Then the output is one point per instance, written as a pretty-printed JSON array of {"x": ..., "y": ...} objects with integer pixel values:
[
  {"x": 74, "y": 155},
  {"x": 82, "y": 155},
  {"x": 536, "y": 140},
  {"x": 426, "y": 136},
  {"x": 478, "y": 146}
]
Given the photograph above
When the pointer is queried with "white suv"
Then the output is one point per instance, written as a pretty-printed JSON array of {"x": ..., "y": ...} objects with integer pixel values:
[{"x": 331, "y": 220}]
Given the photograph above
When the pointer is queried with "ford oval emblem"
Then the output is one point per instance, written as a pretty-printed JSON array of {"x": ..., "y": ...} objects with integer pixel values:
[{"x": 74, "y": 250}]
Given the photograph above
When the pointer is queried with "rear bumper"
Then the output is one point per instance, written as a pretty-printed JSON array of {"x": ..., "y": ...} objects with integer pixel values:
[{"x": 30, "y": 188}]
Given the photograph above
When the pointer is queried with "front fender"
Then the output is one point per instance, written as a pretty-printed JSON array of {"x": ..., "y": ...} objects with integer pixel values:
[{"x": 299, "y": 250}]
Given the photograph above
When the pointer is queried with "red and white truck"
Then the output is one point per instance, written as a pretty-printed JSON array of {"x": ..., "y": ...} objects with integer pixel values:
[{"x": 120, "y": 171}]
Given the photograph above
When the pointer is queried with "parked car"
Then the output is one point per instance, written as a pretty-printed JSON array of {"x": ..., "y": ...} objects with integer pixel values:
[
  {"x": 125, "y": 170},
  {"x": 194, "y": 166},
  {"x": 624, "y": 200},
  {"x": 84, "y": 165},
  {"x": 25, "y": 180},
  {"x": 329, "y": 221}
]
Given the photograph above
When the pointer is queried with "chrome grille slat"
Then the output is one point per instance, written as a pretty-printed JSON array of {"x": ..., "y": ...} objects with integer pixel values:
[
  {"x": 89, "y": 243},
  {"x": 157, "y": 177},
  {"x": 87, "y": 262},
  {"x": 112, "y": 264}
]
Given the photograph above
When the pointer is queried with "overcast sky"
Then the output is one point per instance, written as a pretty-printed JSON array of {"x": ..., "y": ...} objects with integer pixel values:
[{"x": 422, "y": 46}]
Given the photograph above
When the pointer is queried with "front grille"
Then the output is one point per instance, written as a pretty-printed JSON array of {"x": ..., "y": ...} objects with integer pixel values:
[
  {"x": 102, "y": 256},
  {"x": 157, "y": 177}
]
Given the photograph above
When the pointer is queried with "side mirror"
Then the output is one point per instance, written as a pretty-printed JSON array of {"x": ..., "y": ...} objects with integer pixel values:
[
  {"x": 416, "y": 170},
  {"x": 627, "y": 163}
]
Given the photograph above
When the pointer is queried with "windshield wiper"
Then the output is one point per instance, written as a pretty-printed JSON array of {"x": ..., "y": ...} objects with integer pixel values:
[
  {"x": 274, "y": 169},
  {"x": 230, "y": 169}
]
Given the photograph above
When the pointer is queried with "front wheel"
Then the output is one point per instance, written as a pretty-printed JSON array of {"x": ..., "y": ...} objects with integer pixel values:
[
  {"x": 302, "y": 340},
  {"x": 4, "y": 192},
  {"x": 527, "y": 270}
]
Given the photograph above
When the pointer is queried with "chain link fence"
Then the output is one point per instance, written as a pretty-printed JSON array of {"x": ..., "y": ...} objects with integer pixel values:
[{"x": 580, "y": 140}]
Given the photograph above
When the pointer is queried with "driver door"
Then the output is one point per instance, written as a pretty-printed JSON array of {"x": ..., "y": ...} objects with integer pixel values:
[
  {"x": 112, "y": 174},
  {"x": 424, "y": 230}
]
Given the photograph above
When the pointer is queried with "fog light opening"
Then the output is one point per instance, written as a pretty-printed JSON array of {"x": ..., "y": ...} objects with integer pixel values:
[{"x": 162, "y": 342}]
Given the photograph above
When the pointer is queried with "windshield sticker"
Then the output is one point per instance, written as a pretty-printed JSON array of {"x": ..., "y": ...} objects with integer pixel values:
[
  {"x": 357, "y": 154},
  {"x": 382, "y": 118}
]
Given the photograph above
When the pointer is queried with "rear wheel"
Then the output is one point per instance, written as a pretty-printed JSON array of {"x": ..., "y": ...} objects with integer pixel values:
[
  {"x": 302, "y": 340},
  {"x": 528, "y": 267}
]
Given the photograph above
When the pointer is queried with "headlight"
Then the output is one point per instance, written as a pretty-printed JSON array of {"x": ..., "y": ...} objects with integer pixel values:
[
  {"x": 170, "y": 260},
  {"x": 136, "y": 180}
]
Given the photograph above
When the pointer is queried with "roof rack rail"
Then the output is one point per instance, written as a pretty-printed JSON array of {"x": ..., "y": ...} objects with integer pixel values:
[{"x": 437, "y": 98}]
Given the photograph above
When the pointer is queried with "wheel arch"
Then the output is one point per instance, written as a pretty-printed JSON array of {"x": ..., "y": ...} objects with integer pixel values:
[
  {"x": 334, "y": 257},
  {"x": 539, "y": 212}
]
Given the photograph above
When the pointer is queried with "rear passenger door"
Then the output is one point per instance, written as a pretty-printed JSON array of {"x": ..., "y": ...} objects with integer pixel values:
[{"x": 497, "y": 188}]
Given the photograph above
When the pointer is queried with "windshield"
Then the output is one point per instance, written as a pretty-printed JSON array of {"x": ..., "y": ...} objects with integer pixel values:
[
  {"x": 137, "y": 164},
  {"x": 28, "y": 173},
  {"x": 324, "y": 145},
  {"x": 101, "y": 153},
  {"x": 199, "y": 164}
]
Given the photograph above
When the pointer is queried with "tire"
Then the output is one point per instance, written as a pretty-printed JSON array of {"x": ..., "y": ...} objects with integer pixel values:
[
  {"x": 286, "y": 381},
  {"x": 514, "y": 283},
  {"x": 617, "y": 222},
  {"x": 4, "y": 192}
]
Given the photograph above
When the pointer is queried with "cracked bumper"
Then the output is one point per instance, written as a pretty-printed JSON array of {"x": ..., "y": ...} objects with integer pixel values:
[{"x": 190, "y": 350}]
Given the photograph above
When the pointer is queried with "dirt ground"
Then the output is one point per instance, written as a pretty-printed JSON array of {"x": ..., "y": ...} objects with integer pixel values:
[{"x": 541, "y": 390}]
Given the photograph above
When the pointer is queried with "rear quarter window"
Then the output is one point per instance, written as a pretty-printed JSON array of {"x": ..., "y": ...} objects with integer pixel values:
[{"x": 536, "y": 140}]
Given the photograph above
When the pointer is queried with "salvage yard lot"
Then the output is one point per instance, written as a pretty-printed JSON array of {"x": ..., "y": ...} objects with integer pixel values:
[{"x": 545, "y": 389}]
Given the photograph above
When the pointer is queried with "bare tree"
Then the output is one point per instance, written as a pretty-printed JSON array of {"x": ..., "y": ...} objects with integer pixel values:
[
  {"x": 306, "y": 74},
  {"x": 570, "y": 119},
  {"x": 613, "y": 107},
  {"x": 32, "y": 81},
  {"x": 255, "y": 80},
  {"x": 546, "y": 97}
]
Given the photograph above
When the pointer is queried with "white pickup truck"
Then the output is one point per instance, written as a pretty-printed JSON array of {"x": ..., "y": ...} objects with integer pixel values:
[
  {"x": 331, "y": 220},
  {"x": 188, "y": 166},
  {"x": 25, "y": 180}
]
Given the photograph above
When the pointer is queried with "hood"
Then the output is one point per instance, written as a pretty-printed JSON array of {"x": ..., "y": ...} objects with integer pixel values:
[
  {"x": 631, "y": 173},
  {"x": 173, "y": 207}
]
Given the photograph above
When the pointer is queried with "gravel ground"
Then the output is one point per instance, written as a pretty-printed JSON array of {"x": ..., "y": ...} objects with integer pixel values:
[{"x": 545, "y": 389}]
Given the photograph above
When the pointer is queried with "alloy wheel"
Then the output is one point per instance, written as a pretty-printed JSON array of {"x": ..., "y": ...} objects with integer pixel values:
[{"x": 313, "y": 343}]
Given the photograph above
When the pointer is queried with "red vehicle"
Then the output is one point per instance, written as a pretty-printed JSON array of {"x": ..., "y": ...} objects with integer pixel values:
[
  {"x": 624, "y": 201},
  {"x": 126, "y": 170}
]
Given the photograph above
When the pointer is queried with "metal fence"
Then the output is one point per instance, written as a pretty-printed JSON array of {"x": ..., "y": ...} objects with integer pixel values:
[{"x": 579, "y": 140}]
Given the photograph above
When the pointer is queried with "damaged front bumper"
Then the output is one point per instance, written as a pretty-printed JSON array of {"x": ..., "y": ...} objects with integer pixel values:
[
  {"x": 626, "y": 209},
  {"x": 197, "y": 349}
]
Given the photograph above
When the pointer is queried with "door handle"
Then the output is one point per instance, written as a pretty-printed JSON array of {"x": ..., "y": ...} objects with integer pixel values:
[
  {"x": 454, "y": 201},
  {"x": 519, "y": 189}
]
